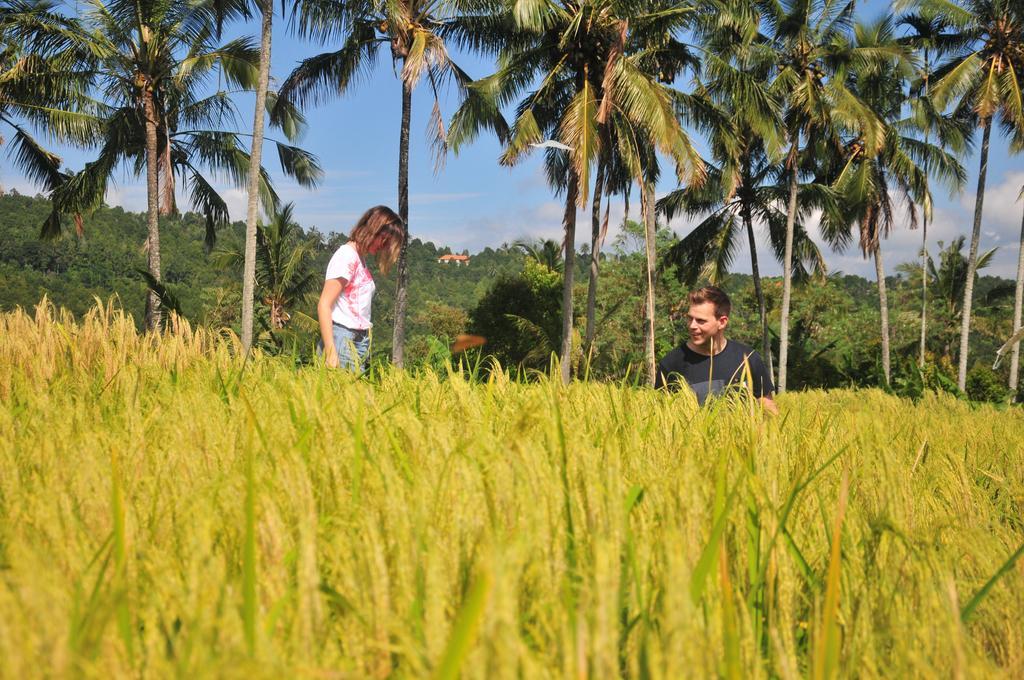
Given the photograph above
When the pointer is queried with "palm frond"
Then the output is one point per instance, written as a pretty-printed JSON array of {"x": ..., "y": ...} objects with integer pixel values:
[
  {"x": 478, "y": 111},
  {"x": 316, "y": 79},
  {"x": 579, "y": 130},
  {"x": 707, "y": 250},
  {"x": 210, "y": 203},
  {"x": 524, "y": 133},
  {"x": 300, "y": 165}
]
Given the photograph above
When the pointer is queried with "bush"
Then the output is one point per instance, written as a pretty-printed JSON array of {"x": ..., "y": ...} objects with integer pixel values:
[
  {"x": 984, "y": 384},
  {"x": 521, "y": 317}
]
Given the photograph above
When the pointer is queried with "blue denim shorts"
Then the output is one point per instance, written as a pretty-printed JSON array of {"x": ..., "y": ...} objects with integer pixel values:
[{"x": 352, "y": 346}]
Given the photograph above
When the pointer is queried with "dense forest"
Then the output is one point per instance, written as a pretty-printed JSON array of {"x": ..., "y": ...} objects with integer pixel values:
[{"x": 511, "y": 295}]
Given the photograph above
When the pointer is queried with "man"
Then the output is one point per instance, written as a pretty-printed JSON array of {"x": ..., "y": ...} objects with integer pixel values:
[{"x": 710, "y": 363}]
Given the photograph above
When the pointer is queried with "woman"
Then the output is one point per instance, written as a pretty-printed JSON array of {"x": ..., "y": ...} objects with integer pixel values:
[{"x": 344, "y": 307}]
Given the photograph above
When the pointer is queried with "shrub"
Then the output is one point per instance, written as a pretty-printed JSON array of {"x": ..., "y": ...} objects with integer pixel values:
[{"x": 984, "y": 384}]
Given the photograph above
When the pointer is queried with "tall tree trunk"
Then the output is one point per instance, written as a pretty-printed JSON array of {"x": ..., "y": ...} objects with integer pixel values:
[
  {"x": 883, "y": 308},
  {"x": 402, "y": 292},
  {"x": 766, "y": 349},
  {"x": 924, "y": 290},
  {"x": 972, "y": 259},
  {"x": 647, "y": 203},
  {"x": 153, "y": 312},
  {"x": 255, "y": 162},
  {"x": 787, "y": 265},
  {"x": 569, "y": 271},
  {"x": 924, "y": 236},
  {"x": 595, "y": 253},
  {"x": 1018, "y": 303}
]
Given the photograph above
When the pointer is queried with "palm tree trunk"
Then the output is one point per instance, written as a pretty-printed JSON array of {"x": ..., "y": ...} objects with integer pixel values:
[
  {"x": 647, "y": 201},
  {"x": 1018, "y": 303},
  {"x": 255, "y": 161},
  {"x": 924, "y": 290},
  {"x": 924, "y": 234},
  {"x": 595, "y": 252},
  {"x": 883, "y": 308},
  {"x": 766, "y": 350},
  {"x": 972, "y": 259},
  {"x": 569, "y": 270},
  {"x": 787, "y": 267},
  {"x": 402, "y": 292},
  {"x": 153, "y": 311}
]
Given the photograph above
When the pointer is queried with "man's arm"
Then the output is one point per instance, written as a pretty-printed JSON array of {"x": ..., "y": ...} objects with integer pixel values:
[
  {"x": 659, "y": 377},
  {"x": 764, "y": 388}
]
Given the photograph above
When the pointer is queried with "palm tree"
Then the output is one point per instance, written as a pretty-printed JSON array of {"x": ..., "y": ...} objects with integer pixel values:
[
  {"x": 598, "y": 64},
  {"x": 151, "y": 62},
  {"x": 745, "y": 127},
  {"x": 224, "y": 10},
  {"x": 864, "y": 181},
  {"x": 415, "y": 31},
  {"x": 597, "y": 233},
  {"x": 949, "y": 280},
  {"x": 983, "y": 80},
  {"x": 931, "y": 36},
  {"x": 612, "y": 178},
  {"x": 46, "y": 89},
  {"x": 547, "y": 252},
  {"x": 284, "y": 275},
  {"x": 1018, "y": 303},
  {"x": 809, "y": 44},
  {"x": 256, "y": 153}
]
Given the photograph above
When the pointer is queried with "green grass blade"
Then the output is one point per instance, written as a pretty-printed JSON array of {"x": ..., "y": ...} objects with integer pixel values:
[
  {"x": 249, "y": 555},
  {"x": 699, "y": 577},
  {"x": 466, "y": 628},
  {"x": 827, "y": 643},
  {"x": 124, "y": 624},
  {"x": 730, "y": 624},
  {"x": 969, "y": 608}
]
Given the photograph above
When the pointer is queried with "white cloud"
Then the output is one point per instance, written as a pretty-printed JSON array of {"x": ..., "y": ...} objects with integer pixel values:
[
  {"x": 1001, "y": 222},
  {"x": 131, "y": 197},
  {"x": 1001, "y": 209},
  {"x": 538, "y": 221},
  {"x": 478, "y": 232},
  {"x": 237, "y": 201}
]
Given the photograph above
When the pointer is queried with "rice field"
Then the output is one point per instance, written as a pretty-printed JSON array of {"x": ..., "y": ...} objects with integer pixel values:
[{"x": 167, "y": 511}]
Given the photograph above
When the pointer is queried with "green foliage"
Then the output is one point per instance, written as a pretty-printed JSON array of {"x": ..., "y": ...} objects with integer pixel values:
[
  {"x": 73, "y": 271},
  {"x": 285, "y": 279},
  {"x": 442, "y": 324},
  {"x": 983, "y": 384},
  {"x": 521, "y": 317},
  {"x": 443, "y": 321}
]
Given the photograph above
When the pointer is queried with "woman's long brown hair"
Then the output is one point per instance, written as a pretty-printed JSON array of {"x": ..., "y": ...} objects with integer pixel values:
[{"x": 380, "y": 222}]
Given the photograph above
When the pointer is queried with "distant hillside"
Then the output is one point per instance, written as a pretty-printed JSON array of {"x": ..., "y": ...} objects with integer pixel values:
[{"x": 72, "y": 271}]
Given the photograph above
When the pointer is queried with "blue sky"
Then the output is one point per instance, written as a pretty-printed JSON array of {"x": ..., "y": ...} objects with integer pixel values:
[{"x": 473, "y": 202}]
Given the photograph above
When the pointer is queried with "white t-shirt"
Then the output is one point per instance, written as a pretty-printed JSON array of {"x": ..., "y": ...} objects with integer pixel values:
[{"x": 352, "y": 308}]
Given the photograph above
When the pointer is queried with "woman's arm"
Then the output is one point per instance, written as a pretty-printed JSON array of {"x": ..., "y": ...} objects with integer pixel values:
[{"x": 328, "y": 296}]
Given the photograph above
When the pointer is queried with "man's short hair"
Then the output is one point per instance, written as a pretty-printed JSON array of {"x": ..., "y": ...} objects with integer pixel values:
[{"x": 715, "y": 296}]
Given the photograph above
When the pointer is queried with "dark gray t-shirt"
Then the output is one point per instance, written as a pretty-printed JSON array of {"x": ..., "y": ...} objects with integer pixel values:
[{"x": 708, "y": 375}]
